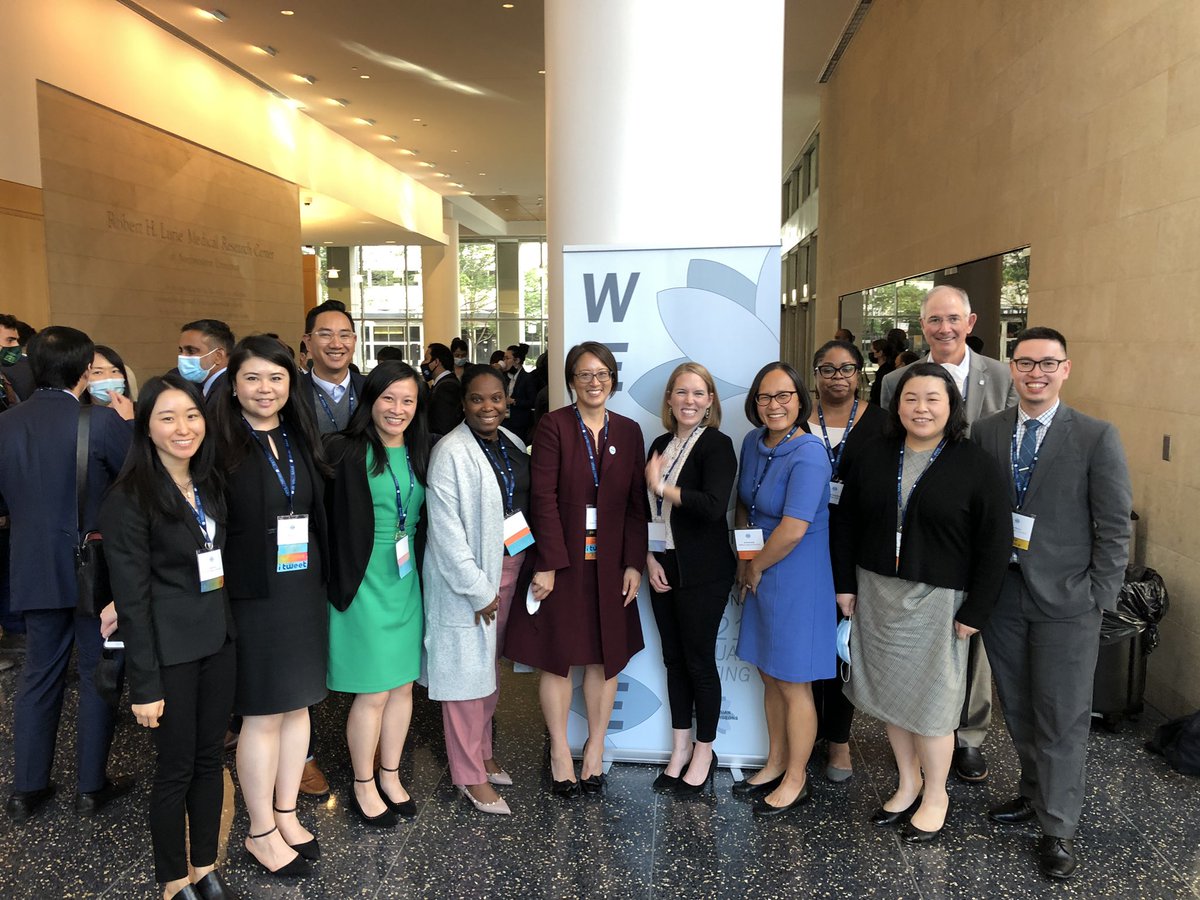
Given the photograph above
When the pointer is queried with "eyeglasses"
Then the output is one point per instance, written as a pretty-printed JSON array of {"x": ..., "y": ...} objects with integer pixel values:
[
  {"x": 783, "y": 398},
  {"x": 936, "y": 321},
  {"x": 601, "y": 377},
  {"x": 323, "y": 336},
  {"x": 828, "y": 370},
  {"x": 1025, "y": 364}
]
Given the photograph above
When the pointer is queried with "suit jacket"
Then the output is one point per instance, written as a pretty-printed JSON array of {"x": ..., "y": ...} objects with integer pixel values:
[
  {"x": 989, "y": 387},
  {"x": 1081, "y": 498},
  {"x": 164, "y": 618},
  {"x": 20, "y": 376},
  {"x": 309, "y": 389},
  {"x": 524, "y": 394},
  {"x": 37, "y": 488},
  {"x": 445, "y": 405}
]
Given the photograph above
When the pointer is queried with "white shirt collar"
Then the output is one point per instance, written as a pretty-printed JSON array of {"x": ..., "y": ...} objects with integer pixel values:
[
  {"x": 444, "y": 374},
  {"x": 959, "y": 372},
  {"x": 329, "y": 387},
  {"x": 208, "y": 382}
]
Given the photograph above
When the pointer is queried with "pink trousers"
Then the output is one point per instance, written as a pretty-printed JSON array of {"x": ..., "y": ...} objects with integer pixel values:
[{"x": 468, "y": 723}]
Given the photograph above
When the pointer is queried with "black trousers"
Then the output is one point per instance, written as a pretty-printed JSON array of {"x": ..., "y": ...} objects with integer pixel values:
[
  {"x": 835, "y": 713},
  {"x": 188, "y": 779},
  {"x": 688, "y": 620}
]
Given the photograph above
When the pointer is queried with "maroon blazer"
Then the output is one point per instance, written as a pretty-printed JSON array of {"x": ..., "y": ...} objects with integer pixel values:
[{"x": 583, "y": 621}]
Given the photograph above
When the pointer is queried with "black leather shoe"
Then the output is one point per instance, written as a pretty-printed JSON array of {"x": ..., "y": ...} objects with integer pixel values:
[
  {"x": 665, "y": 784},
  {"x": 405, "y": 808},
  {"x": 744, "y": 788},
  {"x": 1015, "y": 812},
  {"x": 763, "y": 809},
  {"x": 885, "y": 817},
  {"x": 188, "y": 892},
  {"x": 911, "y": 834},
  {"x": 89, "y": 804},
  {"x": 565, "y": 789},
  {"x": 685, "y": 789},
  {"x": 213, "y": 887},
  {"x": 1056, "y": 857},
  {"x": 23, "y": 804},
  {"x": 969, "y": 764}
]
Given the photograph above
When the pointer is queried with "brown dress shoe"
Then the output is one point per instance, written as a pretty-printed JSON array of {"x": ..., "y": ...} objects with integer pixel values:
[{"x": 312, "y": 782}]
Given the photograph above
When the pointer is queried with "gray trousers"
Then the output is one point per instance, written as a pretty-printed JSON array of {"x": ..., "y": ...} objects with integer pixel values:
[
  {"x": 977, "y": 705},
  {"x": 1044, "y": 670}
]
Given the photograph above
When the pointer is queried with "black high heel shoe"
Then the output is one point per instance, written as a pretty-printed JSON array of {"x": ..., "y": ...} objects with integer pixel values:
[
  {"x": 666, "y": 784},
  {"x": 298, "y": 867},
  {"x": 885, "y": 817},
  {"x": 745, "y": 788},
  {"x": 406, "y": 808},
  {"x": 685, "y": 789},
  {"x": 310, "y": 850},
  {"x": 386, "y": 819},
  {"x": 593, "y": 784},
  {"x": 763, "y": 809}
]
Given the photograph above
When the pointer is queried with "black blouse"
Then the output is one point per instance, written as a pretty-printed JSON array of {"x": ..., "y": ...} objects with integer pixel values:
[{"x": 518, "y": 459}]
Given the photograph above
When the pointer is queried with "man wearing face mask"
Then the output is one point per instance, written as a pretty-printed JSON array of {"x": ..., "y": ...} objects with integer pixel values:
[
  {"x": 445, "y": 393},
  {"x": 204, "y": 348},
  {"x": 333, "y": 386},
  {"x": 16, "y": 380}
]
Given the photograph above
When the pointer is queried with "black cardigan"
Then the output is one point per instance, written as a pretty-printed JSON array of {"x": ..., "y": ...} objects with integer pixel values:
[
  {"x": 699, "y": 526},
  {"x": 351, "y": 516},
  {"x": 958, "y": 529},
  {"x": 868, "y": 425}
]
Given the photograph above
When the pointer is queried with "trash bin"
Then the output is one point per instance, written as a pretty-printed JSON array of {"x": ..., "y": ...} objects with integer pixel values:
[{"x": 1128, "y": 635}]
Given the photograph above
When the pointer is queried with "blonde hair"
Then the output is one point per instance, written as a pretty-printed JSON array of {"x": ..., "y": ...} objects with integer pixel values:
[{"x": 713, "y": 419}]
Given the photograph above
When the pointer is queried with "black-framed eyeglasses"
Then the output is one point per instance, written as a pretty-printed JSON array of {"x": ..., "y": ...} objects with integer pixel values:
[
  {"x": 828, "y": 370},
  {"x": 602, "y": 377},
  {"x": 1048, "y": 365},
  {"x": 783, "y": 398}
]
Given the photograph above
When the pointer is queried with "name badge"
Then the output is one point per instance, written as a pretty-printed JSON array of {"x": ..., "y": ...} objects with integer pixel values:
[
  {"x": 291, "y": 539},
  {"x": 748, "y": 541},
  {"x": 658, "y": 537},
  {"x": 835, "y": 492},
  {"x": 899, "y": 537},
  {"x": 212, "y": 570},
  {"x": 517, "y": 535},
  {"x": 403, "y": 559},
  {"x": 589, "y": 533},
  {"x": 1022, "y": 530}
]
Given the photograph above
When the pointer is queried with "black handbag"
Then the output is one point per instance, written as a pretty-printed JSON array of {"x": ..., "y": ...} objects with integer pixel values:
[{"x": 91, "y": 571}]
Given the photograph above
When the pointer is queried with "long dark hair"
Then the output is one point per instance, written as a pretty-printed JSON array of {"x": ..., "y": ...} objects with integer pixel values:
[
  {"x": 229, "y": 428},
  {"x": 360, "y": 433},
  {"x": 143, "y": 475},
  {"x": 956, "y": 424}
]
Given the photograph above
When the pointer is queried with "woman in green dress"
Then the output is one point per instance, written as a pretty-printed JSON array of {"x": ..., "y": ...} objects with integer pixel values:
[{"x": 374, "y": 505}]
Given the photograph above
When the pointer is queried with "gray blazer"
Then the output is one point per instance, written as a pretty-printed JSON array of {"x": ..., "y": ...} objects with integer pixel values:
[
  {"x": 463, "y": 558},
  {"x": 1081, "y": 498},
  {"x": 989, "y": 390}
]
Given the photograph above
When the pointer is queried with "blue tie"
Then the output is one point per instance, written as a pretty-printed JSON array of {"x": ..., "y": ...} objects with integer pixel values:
[{"x": 1025, "y": 457}]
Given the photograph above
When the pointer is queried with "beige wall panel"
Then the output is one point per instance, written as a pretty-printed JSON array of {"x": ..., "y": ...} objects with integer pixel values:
[
  {"x": 23, "y": 254},
  {"x": 955, "y": 130},
  {"x": 145, "y": 231}
]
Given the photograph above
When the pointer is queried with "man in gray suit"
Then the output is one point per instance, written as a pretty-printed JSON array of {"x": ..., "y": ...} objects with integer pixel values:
[
  {"x": 987, "y": 388},
  {"x": 1071, "y": 509}
]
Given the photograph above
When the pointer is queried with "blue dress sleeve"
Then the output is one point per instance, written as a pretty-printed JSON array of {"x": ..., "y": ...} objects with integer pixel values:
[{"x": 808, "y": 481}]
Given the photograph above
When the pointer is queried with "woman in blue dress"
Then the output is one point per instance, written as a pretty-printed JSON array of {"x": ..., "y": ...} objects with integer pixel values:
[{"x": 784, "y": 576}]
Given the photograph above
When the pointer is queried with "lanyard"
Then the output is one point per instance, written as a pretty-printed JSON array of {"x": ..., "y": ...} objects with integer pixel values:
[
  {"x": 1021, "y": 479},
  {"x": 667, "y": 476},
  {"x": 401, "y": 512},
  {"x": 763, "y": 474},
  {"x": 328, "y": 411},
  {"x": 289, "y": 487},
  {"x": 506, "y": 474},
  {"x": 587, "y": 442},
  {"x": 835, "y": 457},
  {"x": 198, "y": 512},
  {"x": 901, "y": 502}
]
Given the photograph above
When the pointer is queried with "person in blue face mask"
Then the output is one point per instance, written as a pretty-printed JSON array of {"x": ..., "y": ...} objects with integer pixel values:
[
  {"x": 204, "y": 348},
  {"x": 108, "y": 381}
]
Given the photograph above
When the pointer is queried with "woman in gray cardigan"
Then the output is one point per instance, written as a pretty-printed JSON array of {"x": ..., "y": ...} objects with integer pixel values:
[{"x": 477, "y": 495}]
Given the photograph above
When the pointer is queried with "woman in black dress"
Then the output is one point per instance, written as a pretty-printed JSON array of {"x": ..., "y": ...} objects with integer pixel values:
[{"x": 275, "y": 572}]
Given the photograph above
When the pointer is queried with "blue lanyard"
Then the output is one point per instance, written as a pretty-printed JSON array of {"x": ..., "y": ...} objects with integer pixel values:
[
  {"x": 401, "y": 512},
  {"x": 587, "y": 442},
  {"x": 506, "y": 474},
  {"x": 1021, "y": 479},
  {"x": 289, "y": 489},
  {"x": 763, "y": 474},
  {"x": 198, "y": 512},
  {"x": 328, "y": 411},
  {"x": 835, "y": 457},
  {"x": 901, "y": 502},
  {"x": 682, "y": 453}
]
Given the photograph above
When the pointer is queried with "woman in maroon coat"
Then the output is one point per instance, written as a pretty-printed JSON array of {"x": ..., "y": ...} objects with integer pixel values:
[{"x": 588, "y": 516}]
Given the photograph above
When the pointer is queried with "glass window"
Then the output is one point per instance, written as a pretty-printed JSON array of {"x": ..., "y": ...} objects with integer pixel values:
[{"x": 497, "y": 308}]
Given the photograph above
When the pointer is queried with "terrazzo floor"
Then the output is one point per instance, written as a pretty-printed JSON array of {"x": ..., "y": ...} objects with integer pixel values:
[{"x": 1140, "y": 837}]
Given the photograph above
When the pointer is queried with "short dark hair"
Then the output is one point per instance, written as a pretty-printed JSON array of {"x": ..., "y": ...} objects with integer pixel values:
[
  {"x": 59, "y": 356},
  {"x": 395, "y": 354},
  {"x": 25, "y": 331},
  {"x": 841, "y": 345},
  {"x": 908, "y": 357},
  {"x": 956, "y": 424},
  {"x": 442, "y": 354},
  {"x": 975, "y": 342},
  {"x": 475, "y": 372},
  {"x": 337, "y": 306},
  {"x": 215, "y": 330},
  {"x": 597, "y": 350},
  {"x": 899, "y": 339},
  {"x": 848, "y": 331},
  {"x": 751, "y": 406},
  {"x": 7, "y": 321},
  {"x": 1040, "y": 333}
]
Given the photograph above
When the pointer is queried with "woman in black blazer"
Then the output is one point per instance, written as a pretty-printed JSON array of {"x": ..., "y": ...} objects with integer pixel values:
[
  {"x": 269, "y": 451},
  {"x": 163, "y": 525},
  {"x": 691, "y": 566}
]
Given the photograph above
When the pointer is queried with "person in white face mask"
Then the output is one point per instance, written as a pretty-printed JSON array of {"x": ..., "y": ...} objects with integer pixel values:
[
  {"x": 204, "y": 348},
  {"x": 108, "y": 382}
]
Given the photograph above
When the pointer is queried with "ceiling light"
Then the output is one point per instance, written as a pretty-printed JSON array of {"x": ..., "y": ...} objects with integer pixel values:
[
  {"x": 307, "y": 79},
  {"x": 453, "y": 151},
  {"x": 365, "y": 121},
  {"x": 406, "y": 151},
  {"x": 456, "y": 184},
  {"x": 333, "y": 273},
  {"x": 441, "y": 174},
  {"x": 340, "y": 101},
  {"x": 267, "y": 49},
  {"x": 390, "y": 137},
  {"x": 389, "y": 242},
  {"x": 507, "y": 5},
  {"x": 364, "y": 76},
  {"x": 287, "y": 12},
  {"x": 326, "y": 242},
  {"x": 293, "y": 103},
  {"x": 427, "y": 165},
  {"x": 541, "y": 71},
  {"x": 215, "y": 14},
  {"x": 481, "y": 174},
  {"x": 417, "y": 119}
]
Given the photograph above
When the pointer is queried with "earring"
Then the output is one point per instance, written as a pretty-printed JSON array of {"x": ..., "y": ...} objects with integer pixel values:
[{"x": 707, "y": 413}]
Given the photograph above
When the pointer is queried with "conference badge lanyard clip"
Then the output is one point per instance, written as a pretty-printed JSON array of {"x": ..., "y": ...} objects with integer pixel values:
[
  {"x": 590, "y": 518},
  {"x": 901, "y": 500},
  {"x": 657, "y": 529},
  {"x": 749, "y": 541},
  {"x": 208, "y": 561},
  {"x": 517, "y": 536},
  {"x": 1022, "y": 525},
  {"x": 291, "y": 531},
  {"x": 835, "y": 453},
  {"x": 404, "y": 565}
]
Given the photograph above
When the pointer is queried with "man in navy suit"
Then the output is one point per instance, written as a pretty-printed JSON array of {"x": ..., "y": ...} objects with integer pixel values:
[
  {"x": 332, "y": 386},
  {"x": 37, "y": 493}
]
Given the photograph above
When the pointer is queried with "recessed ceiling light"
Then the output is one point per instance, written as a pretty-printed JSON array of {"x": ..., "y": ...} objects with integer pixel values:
[
  {"x": 406, "y": 151},
  {"x": 287, "y": 12},
  {"x": 364, "y": 76},
  {"x": 453, "y": 151},
  {"x": 417, "y": 119},
  {"x": 361, "y": 121},
  {"x": 326, "y": 242},
  {"x": 507, "y": 5},
  {"x": 482, "y": 174},
  {"x": 427, "y": 165},
  {"x": 389, "y": 137},
  {"x": 267, "y": 49},
  {"x": 456, "y": 184},
  {"x": 293, "y": 103},
  {"x": 441, "y": 174},
  {"x": 340, "y": 101},
  {"x": 215, "y": 14},
  {"x": 541, "y": 71},
  {"x": 307, "y": 79},
  {"x": 389, "y": 242}
]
